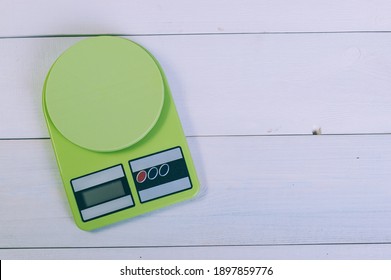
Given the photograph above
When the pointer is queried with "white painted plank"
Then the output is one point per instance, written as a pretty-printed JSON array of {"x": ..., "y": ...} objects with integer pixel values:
[
  {"x": 290, "y": 252},
  {"x": 43, "y": 17},
  {"x": 255, "y": 191},
  {"x": 232, "y": 84}
]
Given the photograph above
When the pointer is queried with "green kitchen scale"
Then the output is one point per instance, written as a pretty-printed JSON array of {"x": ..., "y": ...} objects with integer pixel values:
[{"x": 115, "y": 131}]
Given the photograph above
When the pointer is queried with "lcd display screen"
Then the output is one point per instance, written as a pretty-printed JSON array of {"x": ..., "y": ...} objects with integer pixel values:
[{"x": 102, "y": 193}]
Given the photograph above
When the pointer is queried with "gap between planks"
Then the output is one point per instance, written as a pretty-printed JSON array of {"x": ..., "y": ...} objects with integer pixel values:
[{"x": 194, "y": 34}]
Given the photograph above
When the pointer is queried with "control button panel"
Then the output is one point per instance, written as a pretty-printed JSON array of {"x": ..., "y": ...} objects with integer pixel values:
[{"x": 160, "y": 174}]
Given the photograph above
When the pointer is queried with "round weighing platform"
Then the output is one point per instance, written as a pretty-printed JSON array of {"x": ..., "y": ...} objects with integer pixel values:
[{"x": 104, "y": 93}]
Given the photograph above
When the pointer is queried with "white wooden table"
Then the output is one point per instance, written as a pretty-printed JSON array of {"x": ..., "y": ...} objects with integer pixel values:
[{"x": 251, "y": 81}]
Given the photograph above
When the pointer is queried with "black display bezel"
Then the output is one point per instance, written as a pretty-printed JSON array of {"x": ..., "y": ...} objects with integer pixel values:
[{"x": 80, "y": 200}]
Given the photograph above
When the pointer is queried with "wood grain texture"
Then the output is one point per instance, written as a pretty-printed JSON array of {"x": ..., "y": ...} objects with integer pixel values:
[
  {"x": 43, "y": 17},
  {"x": 232, "y": 84},
  {"x": 248, "y": 77},
  {"x": 291, "y": 252},
  {"x": 255, "y": 191}
]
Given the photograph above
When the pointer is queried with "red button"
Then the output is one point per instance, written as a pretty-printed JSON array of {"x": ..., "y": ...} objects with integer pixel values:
[{"x": 141, "y": 176}]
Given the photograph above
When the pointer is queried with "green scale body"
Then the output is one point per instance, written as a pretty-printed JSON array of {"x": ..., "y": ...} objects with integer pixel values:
[{"x": 117, "y": 137}]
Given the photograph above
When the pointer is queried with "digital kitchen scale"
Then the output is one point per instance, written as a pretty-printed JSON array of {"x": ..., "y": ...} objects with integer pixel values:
[{"x": 115, "y": 131}]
